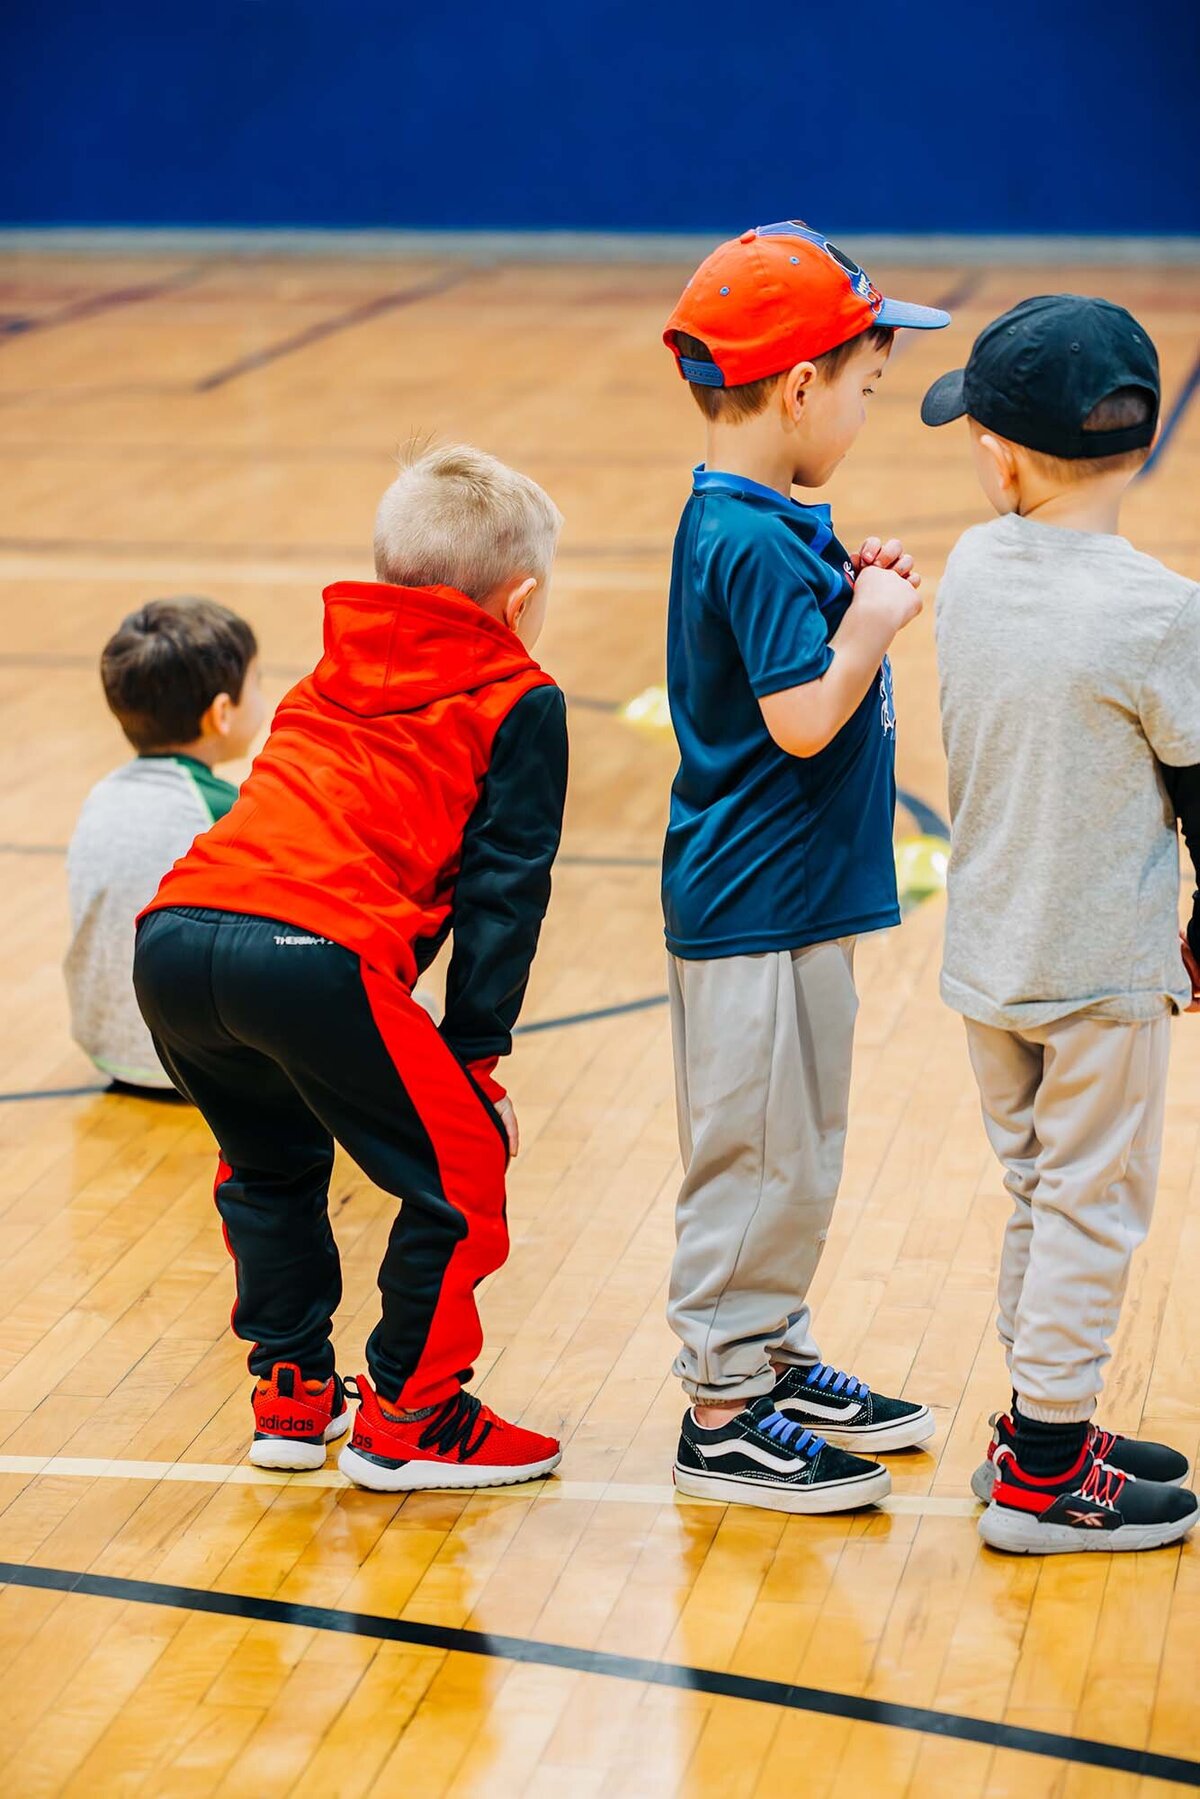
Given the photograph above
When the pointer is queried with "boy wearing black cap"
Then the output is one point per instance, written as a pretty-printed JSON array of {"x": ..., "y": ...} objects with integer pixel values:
[
  {"x": 778, "y": 855},
  {"x": 1070, "y": 687}
]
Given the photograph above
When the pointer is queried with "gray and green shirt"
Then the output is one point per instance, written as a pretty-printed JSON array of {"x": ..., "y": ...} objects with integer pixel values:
[{"x": 134, "y": 825}]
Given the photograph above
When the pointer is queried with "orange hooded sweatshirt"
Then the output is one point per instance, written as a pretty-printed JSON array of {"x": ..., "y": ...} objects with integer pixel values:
[{"x": 414, "y": 782}]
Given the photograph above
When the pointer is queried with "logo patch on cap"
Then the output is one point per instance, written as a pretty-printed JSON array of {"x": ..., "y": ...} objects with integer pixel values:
[{"x": 857, "y": 276}]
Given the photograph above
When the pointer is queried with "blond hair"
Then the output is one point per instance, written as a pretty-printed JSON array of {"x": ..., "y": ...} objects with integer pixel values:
[{"x": 457, "y": 517}]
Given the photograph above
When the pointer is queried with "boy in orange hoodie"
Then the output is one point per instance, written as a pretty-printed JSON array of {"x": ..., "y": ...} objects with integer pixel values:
[{"x": 411, "y": 786}]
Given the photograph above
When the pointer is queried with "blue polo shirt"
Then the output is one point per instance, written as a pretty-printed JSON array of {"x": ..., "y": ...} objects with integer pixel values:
[{"x": 767, "y": 851}]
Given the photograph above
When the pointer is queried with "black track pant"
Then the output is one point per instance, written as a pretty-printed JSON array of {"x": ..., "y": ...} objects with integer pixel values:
[{"x": 286, "y": 1042}]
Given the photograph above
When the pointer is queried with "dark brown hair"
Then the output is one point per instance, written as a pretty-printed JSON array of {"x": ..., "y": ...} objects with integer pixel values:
[
  {"x": 167, "y": 663},
  {"x": 750, "y": 398}
]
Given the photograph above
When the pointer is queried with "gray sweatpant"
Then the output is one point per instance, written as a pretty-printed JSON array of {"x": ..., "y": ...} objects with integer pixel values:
[
  {"x": 762, "y": 1084},
  {"x": 1074, "y": 1111}
]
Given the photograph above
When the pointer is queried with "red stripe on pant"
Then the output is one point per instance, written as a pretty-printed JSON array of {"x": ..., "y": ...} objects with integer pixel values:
[
  {"x": 472, "y": 1160},
  {"x": 225, "y": 1173}
]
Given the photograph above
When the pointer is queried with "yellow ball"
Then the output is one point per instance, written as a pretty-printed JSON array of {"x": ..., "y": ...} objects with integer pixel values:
[
  {"x": 921, "y": 864},
  {"x": 648, "y": 711}
]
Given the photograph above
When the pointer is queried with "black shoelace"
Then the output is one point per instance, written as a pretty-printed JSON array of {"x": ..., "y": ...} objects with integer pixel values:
[{"x": 451, "y": 1425}]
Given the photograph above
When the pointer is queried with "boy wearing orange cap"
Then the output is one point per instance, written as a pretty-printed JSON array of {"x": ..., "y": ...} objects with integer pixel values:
[{"x": 778, "y": 856}]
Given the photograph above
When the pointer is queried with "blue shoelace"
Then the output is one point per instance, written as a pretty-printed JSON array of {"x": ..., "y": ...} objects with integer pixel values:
[
  {"x": 832, "y": 1380},
  {"x": 790, "y": 1434}
]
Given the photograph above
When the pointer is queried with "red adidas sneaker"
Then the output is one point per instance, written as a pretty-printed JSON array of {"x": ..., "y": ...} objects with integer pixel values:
[
  {"x": 461, "y": 1444},
  {"x": 294, "y": 1418}
]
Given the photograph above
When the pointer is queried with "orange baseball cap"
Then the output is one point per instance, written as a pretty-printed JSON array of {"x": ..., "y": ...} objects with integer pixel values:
[{"x": 779, "y": 295}]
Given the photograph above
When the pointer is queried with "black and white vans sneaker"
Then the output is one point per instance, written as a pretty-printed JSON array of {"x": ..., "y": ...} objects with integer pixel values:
[
  {"x": 762, "y": 1458},
  {"x": 847, "y": 1413}
]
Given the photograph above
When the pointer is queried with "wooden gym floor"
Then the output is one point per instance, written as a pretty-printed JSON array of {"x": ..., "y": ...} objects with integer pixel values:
[{"x": 225, "y": 427}]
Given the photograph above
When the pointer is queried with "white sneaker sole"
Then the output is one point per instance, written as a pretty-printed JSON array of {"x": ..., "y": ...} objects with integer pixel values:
[
  {"x": 983, "y": 1481},
  {"x": 423, "y": 1477},
  {"x": 829, "y": 1496},
  {"x": 292, "y": 1453},
  {"x": 1019, "y": 1533},
  {"x": 870, "y": 1439}
]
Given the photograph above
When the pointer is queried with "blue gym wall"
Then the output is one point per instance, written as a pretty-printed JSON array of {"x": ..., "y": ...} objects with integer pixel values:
[{"x": 625, "y": 115}]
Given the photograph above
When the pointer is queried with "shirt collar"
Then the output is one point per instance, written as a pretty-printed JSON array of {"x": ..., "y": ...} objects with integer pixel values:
[{"x": 814, "y": 520}]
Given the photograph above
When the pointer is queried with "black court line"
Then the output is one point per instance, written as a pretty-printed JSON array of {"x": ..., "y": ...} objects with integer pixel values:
[
  {"x": 679, "y": 1675},
  {"x": 342, "y": 321},
  {"x": 1173, "y": 420},
  {"x": 91, "y": 304},
  {"x": 555, "y": 1024},
  {"x": 927, "y": 821},
  {"x": 539, "y": 1024},
  {"x": 587, "y": 861},
  {"x": 9, "y": 1099},
  {"x": 583, "y": 702}
]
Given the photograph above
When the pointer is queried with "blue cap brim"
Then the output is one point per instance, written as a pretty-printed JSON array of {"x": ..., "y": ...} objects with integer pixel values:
[{"x": 914, "y": 318}]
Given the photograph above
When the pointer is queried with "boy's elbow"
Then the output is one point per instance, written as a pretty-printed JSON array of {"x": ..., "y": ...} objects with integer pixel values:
[
  {"x": 799, "y": 740},
  {"x": 799, "y": 731},
  {"x": 803, "y": 748}
]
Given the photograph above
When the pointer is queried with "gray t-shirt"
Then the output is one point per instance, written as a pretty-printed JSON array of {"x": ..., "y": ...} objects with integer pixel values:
[
  {"x": 134, "y": 825},
  {"x": 1070, "y": 667}
]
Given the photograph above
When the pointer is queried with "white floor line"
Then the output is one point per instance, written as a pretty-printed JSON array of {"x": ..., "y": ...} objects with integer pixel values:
[{"x": 241, "y": 1474}]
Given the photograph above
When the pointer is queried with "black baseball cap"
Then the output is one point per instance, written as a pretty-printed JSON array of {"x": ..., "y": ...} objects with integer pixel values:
[{"x": 1035, "y": 373}]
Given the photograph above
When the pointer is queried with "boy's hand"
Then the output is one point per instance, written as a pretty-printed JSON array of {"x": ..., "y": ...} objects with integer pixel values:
[
  {"x": 891, "y": 554},
  {"x": 508, "y": 1119},
  {"x": 1193, "y": 968},
  {"x": 884, "y": 601}
]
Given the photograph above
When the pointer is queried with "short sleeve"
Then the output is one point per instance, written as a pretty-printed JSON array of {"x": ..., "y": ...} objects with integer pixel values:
[
  {"x": 774, "y": 614},
  {"x": 1169, "y": 702}
]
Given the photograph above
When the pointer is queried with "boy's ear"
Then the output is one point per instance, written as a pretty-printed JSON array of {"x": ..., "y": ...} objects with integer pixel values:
[
  {"x": 517, "y": 601},
  {"x": 215, "y": 722},
  {"x": 795, "y": 386},
  {"x": 1002, "y": 458}
]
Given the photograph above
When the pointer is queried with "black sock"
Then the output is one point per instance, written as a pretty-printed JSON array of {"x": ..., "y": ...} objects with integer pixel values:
[{"x": 1047, "y": 1449}]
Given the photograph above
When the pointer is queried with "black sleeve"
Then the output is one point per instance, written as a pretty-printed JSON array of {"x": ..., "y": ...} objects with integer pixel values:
[
  {"x": 1183, "y": 790},
  {"x": 503, "y": 885}
]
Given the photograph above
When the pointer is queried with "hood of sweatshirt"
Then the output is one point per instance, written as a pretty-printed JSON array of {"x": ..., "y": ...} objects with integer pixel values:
[{"x": 395, "y": 649}]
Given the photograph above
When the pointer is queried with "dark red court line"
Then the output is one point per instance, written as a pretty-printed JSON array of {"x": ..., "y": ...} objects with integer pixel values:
[
  {"x": 618, "y": 551},
  {"x": 957, "y": 294},
  {"x": 968, "y": 284},
  {"x": 25, "y": 325},
  {"x": 641, "y": 1670},
  {"x": 342, "y": 321}
]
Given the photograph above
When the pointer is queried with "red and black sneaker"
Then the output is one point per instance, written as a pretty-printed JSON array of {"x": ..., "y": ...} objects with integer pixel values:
[
  {"x": 460, "y": 1444},
  {"x": 1129, "y": 1455},
  {"x": 1091, "y": 1506},
  {"x": 294, "y": 1418}
]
